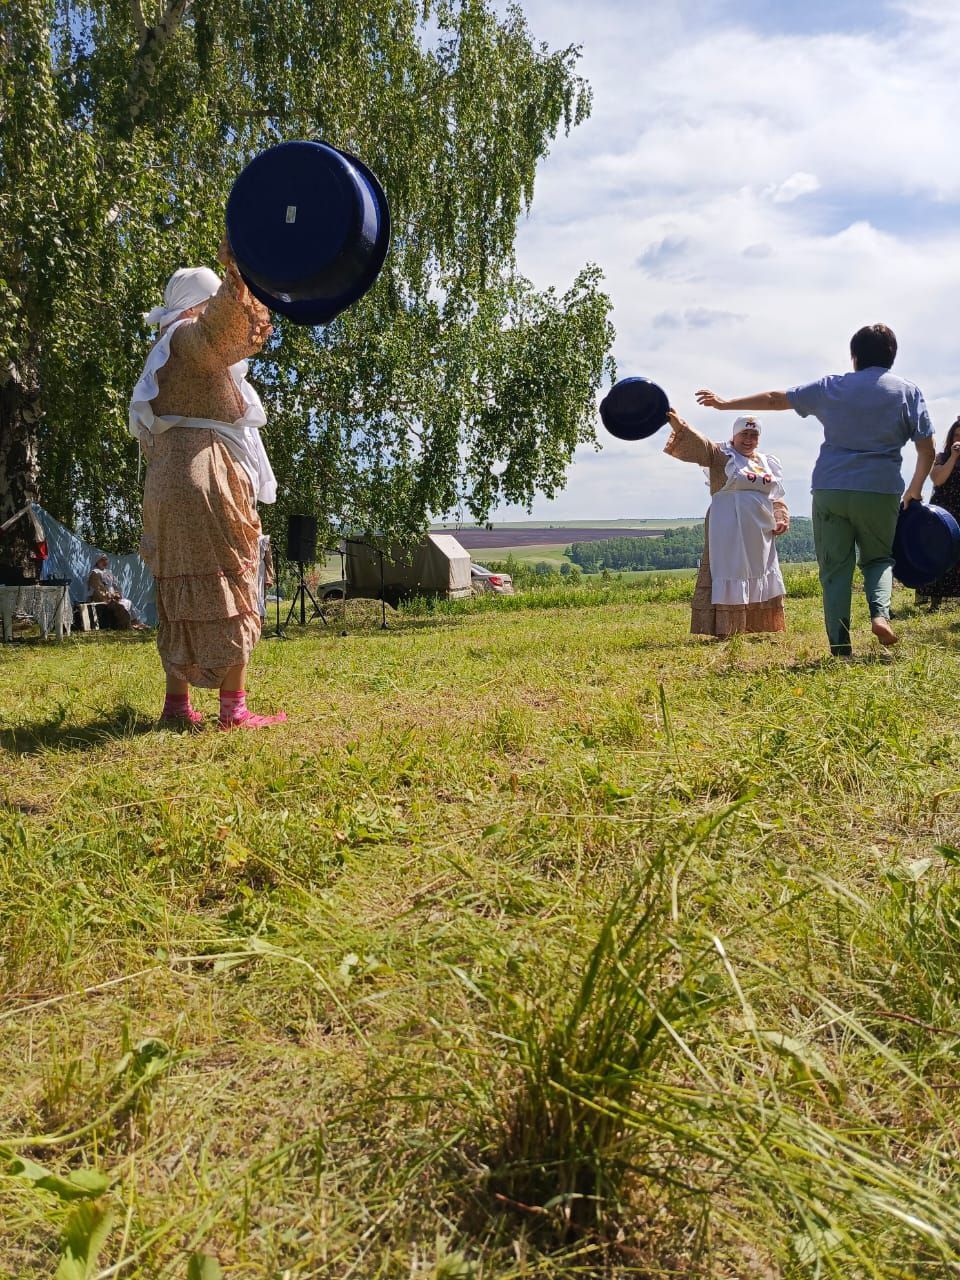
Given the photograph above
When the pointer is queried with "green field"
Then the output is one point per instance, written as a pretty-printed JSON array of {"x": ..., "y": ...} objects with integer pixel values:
[
  {"x": 545, "y": 941},
  {"x": 675, "y": 522},
  {"x": 546, "y": 553},
  {"x": 552, "y": 554}
]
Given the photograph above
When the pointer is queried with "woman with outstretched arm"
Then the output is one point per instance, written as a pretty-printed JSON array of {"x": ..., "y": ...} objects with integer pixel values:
[
  {"x": 868, "y": 416},
  {"x": 739, "y": 586}
]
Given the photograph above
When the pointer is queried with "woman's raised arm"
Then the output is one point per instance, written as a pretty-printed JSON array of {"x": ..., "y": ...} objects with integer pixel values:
[{"x": 687, "y": 445}]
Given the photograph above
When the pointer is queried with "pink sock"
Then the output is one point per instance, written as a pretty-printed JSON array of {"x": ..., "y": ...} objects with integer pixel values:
[
  {"x": 176, "y": 706},
  {"x": 234, "y": 713}
]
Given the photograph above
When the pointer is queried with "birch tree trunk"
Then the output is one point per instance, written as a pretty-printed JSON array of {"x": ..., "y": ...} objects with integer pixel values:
[{"x": 19, "y": 415}]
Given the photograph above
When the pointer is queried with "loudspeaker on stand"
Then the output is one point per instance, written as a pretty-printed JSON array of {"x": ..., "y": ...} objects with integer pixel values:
[{"x": 302, "y": 539}]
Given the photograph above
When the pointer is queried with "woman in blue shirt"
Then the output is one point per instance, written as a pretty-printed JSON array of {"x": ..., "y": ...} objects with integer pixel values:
[{"x": 867, "y": 417}]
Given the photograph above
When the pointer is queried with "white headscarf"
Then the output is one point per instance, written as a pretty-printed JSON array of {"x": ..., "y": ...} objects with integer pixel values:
[{"x": 185, "y": 289}]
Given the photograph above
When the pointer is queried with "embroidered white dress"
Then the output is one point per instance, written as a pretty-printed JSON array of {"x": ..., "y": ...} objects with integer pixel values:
[
  {"x": 736, "y": 515},
  {"x": 743, "y": 555}
]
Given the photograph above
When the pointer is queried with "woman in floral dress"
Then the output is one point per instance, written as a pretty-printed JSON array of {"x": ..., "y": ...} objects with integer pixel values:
[{"x": 198, "y": 421}]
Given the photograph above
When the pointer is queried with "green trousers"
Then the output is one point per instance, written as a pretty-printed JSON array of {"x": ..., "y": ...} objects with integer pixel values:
[{"x": 845, "y": 522}]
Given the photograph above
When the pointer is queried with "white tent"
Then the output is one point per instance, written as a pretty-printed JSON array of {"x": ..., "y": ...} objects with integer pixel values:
[
  {"x": 68, "y": 556},
  {"x": 437, "y": 566}
]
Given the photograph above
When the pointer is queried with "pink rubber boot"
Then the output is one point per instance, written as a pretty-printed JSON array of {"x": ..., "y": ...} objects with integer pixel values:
[
  {"x": 234, "y": 713},
  {"x": 178, "y": 711}
]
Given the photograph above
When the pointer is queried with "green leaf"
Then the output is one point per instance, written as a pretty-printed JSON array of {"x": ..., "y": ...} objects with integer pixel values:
[
  {"x": 203, "y": 1266},
  {"x": 808, "y": 1062},
  {"x": 918, "y": 868},
  {"x": 81, "y": 1184},
  {"x": 147, "y": 1059},
  {"x": 812, "y": 1246},
  {"x": 85, "y": 1235}
]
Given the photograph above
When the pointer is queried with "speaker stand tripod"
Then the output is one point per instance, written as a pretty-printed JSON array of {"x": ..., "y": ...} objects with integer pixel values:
[{"x": 301, "y": 596}]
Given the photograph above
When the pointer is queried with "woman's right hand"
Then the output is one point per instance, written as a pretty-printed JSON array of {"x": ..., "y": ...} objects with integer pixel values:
[
  {"x": 675, "y": 420},
  {"x": 710, "y": 400}
]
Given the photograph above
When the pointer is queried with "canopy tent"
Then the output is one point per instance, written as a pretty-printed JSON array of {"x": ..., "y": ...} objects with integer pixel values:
[
  {"x": 68, "y": 556},
  {"x": 437, "y": 566}
]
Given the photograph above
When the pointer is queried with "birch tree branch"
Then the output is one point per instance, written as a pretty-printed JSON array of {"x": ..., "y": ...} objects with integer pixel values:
[{"x": 153, "y": 42}]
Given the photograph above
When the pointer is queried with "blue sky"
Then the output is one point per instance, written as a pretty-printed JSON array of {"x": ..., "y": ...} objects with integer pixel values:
[{"x": 757, "y": 180}]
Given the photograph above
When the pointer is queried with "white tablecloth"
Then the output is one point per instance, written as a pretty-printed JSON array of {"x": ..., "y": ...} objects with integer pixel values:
[{"x": 49, "y": 606}]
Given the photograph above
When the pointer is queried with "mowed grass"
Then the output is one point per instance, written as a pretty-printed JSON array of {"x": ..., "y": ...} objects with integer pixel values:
[{"x": 544, "y": 941}]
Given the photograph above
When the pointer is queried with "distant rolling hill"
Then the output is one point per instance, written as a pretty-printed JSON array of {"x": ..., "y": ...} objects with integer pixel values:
[{"x": 542, "y": 535}]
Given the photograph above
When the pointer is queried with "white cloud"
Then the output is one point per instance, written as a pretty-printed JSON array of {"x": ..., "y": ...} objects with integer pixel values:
[
  {"x": 797, "y": 185},
  {"x": 686, "y": 185}
]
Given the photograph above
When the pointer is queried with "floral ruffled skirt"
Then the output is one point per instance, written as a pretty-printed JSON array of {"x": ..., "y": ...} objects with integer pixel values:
[{"x": 201, "y": 543}]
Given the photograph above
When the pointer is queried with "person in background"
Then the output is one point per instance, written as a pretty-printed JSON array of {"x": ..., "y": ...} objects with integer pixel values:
[
  {"x": 105, "y": 590},
  {"x": 264, "y": 573},
  {"x": 868, "y": 416},
  {"x": 739, "y": 585},
  {"x": 946, "y": 493},
  {"x": 197, "y": 419}
]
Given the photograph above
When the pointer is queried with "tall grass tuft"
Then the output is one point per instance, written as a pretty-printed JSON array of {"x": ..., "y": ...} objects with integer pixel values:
[
  {"x": 655, "y": 1087},
  {"x": 588, "y": 1041}
]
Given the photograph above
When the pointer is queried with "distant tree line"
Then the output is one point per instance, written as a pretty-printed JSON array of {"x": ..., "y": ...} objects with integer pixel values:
[
  {"x": 526, "y": 573},
  {"x": 677, "y": 549}
]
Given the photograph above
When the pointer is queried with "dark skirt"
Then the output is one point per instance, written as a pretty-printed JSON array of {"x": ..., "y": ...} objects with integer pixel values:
[{"x": 947, "y": 496}]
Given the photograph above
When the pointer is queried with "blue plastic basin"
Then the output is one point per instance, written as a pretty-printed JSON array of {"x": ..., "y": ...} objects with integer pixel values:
[
  {"x": 634, "y": 408},
  {"x": 309, "y": 228},
  {"x": 926, "y": 544}
]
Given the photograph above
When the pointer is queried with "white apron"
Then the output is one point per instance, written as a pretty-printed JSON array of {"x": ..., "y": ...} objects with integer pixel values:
[
  {"x": 744, "y": 567},
  {"x": 242, "y": 438}
]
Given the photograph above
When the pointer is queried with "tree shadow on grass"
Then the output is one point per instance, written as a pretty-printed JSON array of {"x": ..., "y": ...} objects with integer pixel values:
[
  {"x": 366, "y": 630},
  {"x": 57, "y": 733},
  {"x": 29, "y": 636}
]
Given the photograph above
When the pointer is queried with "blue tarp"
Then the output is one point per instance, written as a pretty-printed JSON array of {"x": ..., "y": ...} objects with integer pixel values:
[{"x": 70, "y": 557}]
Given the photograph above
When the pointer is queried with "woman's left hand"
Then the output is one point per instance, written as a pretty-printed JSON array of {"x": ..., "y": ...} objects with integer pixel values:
[
  {"x": 259, "y": 316},
  {"x": 780, "y": 527}
]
